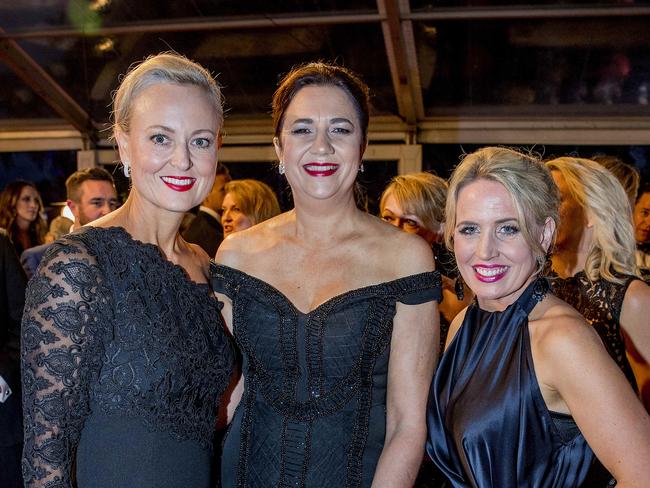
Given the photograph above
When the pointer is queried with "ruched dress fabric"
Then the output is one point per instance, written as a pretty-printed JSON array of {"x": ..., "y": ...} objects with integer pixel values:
[
  {"x": 124, "y": 362},
  {"x": 488, "y": 423},
  {"x": 313, "y": 412}
]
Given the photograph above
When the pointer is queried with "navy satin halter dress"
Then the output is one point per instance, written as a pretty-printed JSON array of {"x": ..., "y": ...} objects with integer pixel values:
[{"x": 488, "y": 423}]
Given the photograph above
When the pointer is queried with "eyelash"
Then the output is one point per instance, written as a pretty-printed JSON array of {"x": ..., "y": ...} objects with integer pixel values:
[
  {"x": 162, "y": 139},
  {"x": 507, "y": 229}
]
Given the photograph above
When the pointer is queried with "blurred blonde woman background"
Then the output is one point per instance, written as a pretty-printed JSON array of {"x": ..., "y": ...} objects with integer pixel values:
[{"x": 246, "y": 203}]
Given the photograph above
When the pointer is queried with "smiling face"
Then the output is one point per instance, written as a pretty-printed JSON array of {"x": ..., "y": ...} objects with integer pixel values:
[
  {"x": 27, "y": 206},
  {"x": 232, "y": 217},
  {"x": 320, "y": 142},
  {"x": 492, "y": 255},
  {"x": 642, "y": 219},
  {"x": 393, "y": 213},
  {"x": 171, "y": 146}
]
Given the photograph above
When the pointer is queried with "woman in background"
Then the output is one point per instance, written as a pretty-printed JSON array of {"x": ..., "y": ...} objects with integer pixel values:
[
  {"x": 124, "y": 353},
  {"x": 515, "y": 401},
  {"x": 246, "y": 203},
  {"x": 415, "y": 203},
  {"x": 20, "y": 215}
]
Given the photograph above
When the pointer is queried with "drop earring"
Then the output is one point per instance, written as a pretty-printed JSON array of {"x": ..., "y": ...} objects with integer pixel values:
[
  {"x": 126, "y": 168},
  {"x": 459, "y": 289},
  {"x": 281, "y": 167},
  {"x": 361, "y": 168}
]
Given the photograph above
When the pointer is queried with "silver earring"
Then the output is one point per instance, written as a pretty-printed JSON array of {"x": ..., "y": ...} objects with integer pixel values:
[
  {"x": 126, "y": 168},
  {"x": 361, "y": 168},
  {"x": 281, "y": 167}
]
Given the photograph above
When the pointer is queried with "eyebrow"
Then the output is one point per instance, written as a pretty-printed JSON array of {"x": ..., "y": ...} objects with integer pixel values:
[
  {"x": 500, "y": 221},
  {"x": 169, "y": 129},
  {"x": 335, "y": 120}
]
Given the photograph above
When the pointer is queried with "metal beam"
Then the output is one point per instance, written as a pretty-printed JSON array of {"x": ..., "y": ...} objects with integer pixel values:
[
  {"x": 28, "y": 70},
  {"x": 536, "y": 12},
  {"x": 201, "y": 24},
  {"x": 402, "y": 59}
]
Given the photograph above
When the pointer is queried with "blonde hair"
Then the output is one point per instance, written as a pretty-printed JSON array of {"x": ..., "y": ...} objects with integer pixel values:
[
  {"x": 256, "y": 199},
  {"x": 419, "y": 194},
  {"x": 626, "y": 174},
  {"x": 533, "y": 191},
  {"x": 603, "y": 198},
  {"x": 166, "y": 67}
]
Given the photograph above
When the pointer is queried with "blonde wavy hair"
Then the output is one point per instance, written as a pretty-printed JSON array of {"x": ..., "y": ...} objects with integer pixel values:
[
  {"x": 256, "y": 199},
  {"x": 604, "y": 200},
  {"x": 420, "y": 194},
  {"x": 529, "y": 183}
]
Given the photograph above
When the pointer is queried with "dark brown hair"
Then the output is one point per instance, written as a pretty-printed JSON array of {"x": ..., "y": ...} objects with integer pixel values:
[
  {"x": 321, "y": 74},
  {"x": 74, "y": 181},
  {"x": 8, "y": 200}
]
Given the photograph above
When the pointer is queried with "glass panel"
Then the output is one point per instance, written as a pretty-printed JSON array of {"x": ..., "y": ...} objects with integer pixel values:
[
  {"x": 249, "y": 62},
  {"x": 86, "y": 15},
  {"x": 17, "y": 100},
  {"x": 428, "y": 5},
  {"x": 573, "y": 66},
  {"x": 443, "y": 158}
]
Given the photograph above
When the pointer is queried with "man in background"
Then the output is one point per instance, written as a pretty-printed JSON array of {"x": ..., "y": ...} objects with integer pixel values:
[
  {"x": 205, "y": 229},
  {"x": 91, "y": 194},
  {"x": 641, "y": 216}
]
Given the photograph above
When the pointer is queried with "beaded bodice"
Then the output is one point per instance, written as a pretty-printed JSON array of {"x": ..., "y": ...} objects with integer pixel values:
[
  {"x": 113, "y": 328},
  {"x": 313, "y": 410},
  {"x": 600, "y": 303}
]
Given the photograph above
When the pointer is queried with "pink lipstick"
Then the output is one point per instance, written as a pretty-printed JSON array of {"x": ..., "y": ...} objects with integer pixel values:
[
  {"x": 489, "y": 273},
  {"x": 179, "y": 183}
]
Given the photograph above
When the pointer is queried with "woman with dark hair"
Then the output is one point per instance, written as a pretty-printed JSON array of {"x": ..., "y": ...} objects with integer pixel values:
[
  {"x": 525, "y": 389},
  {"x": 20, "y": 215},
  {"x": 336, "y": 339}
]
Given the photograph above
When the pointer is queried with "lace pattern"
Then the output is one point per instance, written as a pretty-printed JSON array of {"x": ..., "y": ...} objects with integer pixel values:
[
  {"x": 111, "y": 326},
  {"x": 600, "y": 303}
]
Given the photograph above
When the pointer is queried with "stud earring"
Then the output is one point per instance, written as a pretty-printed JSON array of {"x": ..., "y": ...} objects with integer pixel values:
[
  {"x": 281, "y": 167},
  {"x": 126, "y": 168},
  {"x": 361, "y": 168}
]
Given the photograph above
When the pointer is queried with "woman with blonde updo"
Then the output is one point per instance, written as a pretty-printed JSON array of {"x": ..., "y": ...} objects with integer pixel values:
[
  {"x": 124, "y": 354},
  {"x": 245, "y": 204}
]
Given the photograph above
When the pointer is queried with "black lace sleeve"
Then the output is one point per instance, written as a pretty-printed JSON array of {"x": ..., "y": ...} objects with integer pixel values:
[{"x": 66, "y": 308}]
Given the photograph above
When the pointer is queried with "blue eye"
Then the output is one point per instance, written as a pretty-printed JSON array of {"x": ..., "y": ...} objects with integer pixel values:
[
  {"x": 509, "y": 229},
  {"x": 159, "y": 139},
  {"x": 468, "y": 230},
  {"x": 202, "y": 142}
]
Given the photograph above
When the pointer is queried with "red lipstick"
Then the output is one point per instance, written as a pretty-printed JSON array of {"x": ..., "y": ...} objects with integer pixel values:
[
  {"x": 321, "y": 169},
  {"x": 179, "y": 183}
]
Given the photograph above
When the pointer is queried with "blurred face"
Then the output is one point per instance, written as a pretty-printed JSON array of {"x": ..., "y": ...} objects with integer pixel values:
[
  {"x": 97, "y": 198},
  {"x": 320, "y": 143},
  {"x": 171, "y": 146},
  {"x": 214, "y": 200},
  {"x": 493, "y": 257},
  {"x": 27, "y": 206},
  {"x": 573, "y": 220},
  {"x": 232, "y": 217},
  {"x": 393, "y": 213},
  {"x": 642, "y": 219}
]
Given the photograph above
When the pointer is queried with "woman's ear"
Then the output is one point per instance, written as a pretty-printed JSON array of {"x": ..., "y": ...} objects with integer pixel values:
[
  {"x": 122, "y": 139},
  {"x": 547, "y": 234},
  {"x": 278, "y": 148}
]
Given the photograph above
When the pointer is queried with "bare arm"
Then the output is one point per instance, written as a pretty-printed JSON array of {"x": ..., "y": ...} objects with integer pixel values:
[{"x": 577, "y": 367}]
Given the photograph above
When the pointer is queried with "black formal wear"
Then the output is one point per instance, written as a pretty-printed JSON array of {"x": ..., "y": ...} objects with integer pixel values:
[
  {"x": 206, "y": 231},
  {"x": 313, "y": 413},
  {"x": 12, "y": 296},
  {"x": 489, "y": 426},
  {"x": 139, "y": 358}
]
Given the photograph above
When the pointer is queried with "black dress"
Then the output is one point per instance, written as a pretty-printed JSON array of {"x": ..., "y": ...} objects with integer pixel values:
[
  {"x": 488, "y": 423},
  {"x": 124, "y": 362},
  {"x": 313, "y": 413}
]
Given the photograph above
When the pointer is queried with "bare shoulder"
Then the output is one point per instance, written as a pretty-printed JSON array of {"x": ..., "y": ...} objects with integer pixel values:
[
  {"x": 454, "y": 327},
  {"x": 410, "y": 253},
  {"x": 637, "y": 298},
  {"x": 560, "y": 333},
  {"x": 200, "y": 255},
  {"x": 239, "y": 248}
]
